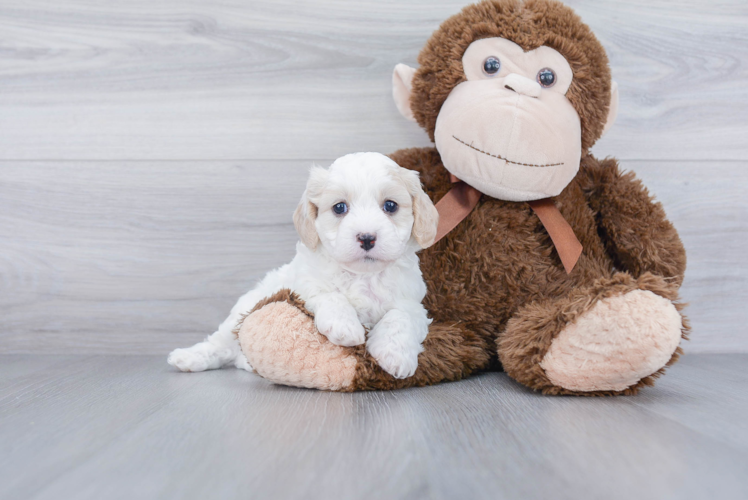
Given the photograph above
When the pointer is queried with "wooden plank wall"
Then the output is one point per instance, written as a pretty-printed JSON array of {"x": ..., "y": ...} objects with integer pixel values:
[{"x": 151, "y": 153}]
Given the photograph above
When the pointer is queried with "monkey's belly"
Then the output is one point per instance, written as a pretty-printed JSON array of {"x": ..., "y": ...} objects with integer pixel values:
[{"x": 497, "y": 260}]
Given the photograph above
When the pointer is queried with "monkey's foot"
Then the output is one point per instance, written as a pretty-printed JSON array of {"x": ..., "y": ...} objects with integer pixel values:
[
  {"x": 615, "y": 344},
  {"x": 282, "y": 344},
  {"x": 612, "y": 337}
]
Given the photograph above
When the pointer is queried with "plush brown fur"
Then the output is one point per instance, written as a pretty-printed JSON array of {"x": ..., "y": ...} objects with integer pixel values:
[
  {"x": 498, "y": 270},
  {"x": 498, "y": 274},
  {"x": 496, "y": 286}
]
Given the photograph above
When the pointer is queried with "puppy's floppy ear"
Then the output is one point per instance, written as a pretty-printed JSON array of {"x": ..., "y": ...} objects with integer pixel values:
[
  {"x": 306, "y": 213},
  {"x": 303, "y": 219},
  {"x": 424, "y": 212}
]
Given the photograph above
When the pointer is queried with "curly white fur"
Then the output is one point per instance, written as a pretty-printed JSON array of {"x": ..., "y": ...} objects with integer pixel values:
[{"x": 347, "y": 287}]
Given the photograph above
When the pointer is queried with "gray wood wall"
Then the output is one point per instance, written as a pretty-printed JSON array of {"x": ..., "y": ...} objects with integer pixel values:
[{"x": 151, "y": 153}]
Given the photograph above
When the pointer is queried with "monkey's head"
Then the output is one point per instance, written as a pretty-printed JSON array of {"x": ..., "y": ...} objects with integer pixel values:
[{"x": 511, "y": 93}]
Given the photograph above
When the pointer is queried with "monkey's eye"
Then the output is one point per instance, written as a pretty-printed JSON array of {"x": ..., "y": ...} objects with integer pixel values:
[
  {"x": 491, "y": 65},
  {"x": 390, "y": 207},
  {"x": 546, "y": 77},
  {"x": 340, "y": 208}
]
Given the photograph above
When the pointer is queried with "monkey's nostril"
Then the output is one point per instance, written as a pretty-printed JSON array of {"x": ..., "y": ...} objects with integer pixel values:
[
  {"x": 367, "y": 240},
  {"x": 522, "y": 85}
]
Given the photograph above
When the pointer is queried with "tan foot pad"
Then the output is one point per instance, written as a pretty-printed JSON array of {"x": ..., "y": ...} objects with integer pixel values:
[
  {"x": 282, "y": 344},
  {"x": 615, "y": 344}
]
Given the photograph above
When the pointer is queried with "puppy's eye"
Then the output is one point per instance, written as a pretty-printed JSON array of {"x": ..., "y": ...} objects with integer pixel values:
[
  {"x": 390, "y": 207},
  {"x": 340, "y": 208}
]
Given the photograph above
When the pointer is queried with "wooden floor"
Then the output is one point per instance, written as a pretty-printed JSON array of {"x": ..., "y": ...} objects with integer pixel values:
[{"x": 79, "y": 427}]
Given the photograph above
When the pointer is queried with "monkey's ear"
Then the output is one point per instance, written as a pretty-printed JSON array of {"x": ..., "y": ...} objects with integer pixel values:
[
  {"x": 402, "y": 84},
  {"x": 613, "y": 109}
]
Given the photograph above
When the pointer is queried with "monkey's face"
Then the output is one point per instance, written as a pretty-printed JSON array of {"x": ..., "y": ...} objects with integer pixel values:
[
  {"x": 509, "y": 130},
  {"x": 512, "y": 92}
]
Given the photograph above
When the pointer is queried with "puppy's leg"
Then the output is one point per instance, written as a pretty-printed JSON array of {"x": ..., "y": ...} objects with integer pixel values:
[
  {"x": 397, "y": 340},
  {"x": 215, "y": 352},
  {"x": 221, "y": 348},
  {"x": 336, "y": 319}
]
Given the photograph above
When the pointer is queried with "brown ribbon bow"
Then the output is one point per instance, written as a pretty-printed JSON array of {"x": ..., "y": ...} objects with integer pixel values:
[{"x": 462, "y": 199}]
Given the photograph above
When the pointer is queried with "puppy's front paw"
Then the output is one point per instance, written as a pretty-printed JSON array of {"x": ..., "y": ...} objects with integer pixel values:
[
  {"x": 391, "y": 344},
  {"x": 340, "y": 325},
  {"x": 397, "y": 360}
]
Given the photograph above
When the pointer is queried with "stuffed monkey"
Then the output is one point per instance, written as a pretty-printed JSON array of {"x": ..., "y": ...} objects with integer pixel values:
[{"x": 553, "y": 265}]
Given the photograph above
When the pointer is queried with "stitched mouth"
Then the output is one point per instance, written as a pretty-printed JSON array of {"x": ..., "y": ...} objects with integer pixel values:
[{"x": 499, "y": 157}]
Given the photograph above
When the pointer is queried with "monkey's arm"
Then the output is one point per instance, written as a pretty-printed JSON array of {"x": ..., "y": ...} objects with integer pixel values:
[{"x": 635, "y": 229}]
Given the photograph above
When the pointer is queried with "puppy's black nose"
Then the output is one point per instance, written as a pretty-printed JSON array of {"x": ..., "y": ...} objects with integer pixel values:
[{"x": 367, "y": 240}]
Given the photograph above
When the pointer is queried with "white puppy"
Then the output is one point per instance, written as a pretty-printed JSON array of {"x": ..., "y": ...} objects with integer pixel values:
[{"x": 361, "y": 222}]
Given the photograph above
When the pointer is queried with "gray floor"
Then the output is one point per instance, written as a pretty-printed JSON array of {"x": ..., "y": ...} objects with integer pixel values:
[{"x": 130, "y": 427}]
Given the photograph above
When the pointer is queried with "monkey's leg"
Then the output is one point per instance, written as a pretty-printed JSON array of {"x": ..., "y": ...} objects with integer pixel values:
[
  {"x": 612, "y": 337},
  {"x": 282, "y": 344}
]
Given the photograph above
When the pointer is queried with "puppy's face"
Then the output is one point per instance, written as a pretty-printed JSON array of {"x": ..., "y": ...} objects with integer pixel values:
[{"x": 365, "y": 210}]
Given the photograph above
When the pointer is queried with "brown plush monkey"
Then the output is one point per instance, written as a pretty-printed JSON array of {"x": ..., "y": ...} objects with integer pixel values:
[{"x": 514, "y": 94}]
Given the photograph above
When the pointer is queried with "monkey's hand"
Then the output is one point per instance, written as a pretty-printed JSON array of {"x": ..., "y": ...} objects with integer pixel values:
[{"x": 635, "y": 229}]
